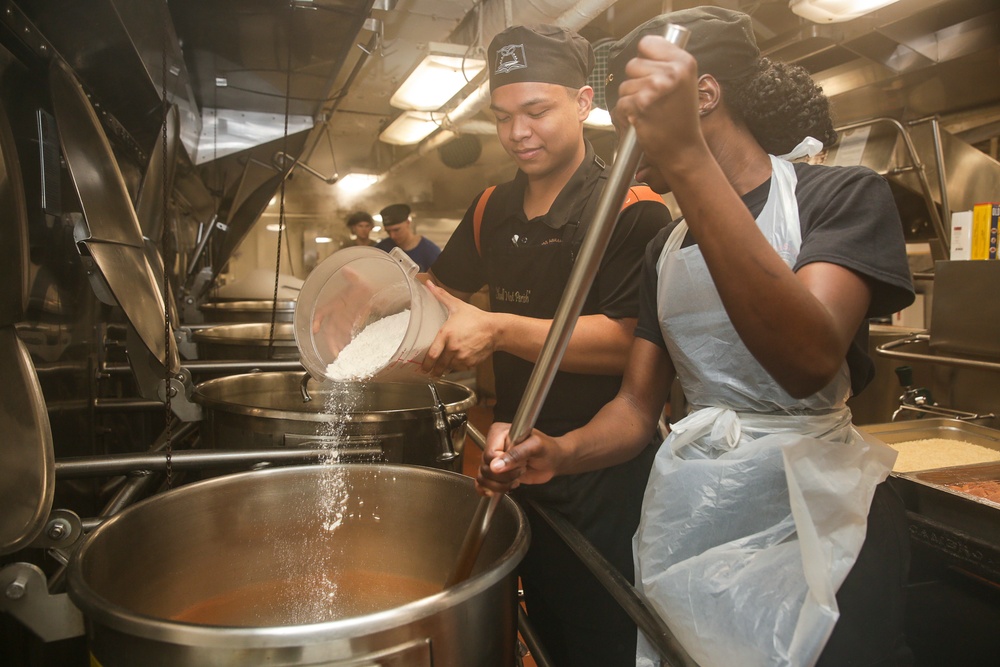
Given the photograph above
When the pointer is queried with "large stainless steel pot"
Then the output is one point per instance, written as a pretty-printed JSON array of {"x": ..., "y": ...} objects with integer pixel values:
[
  {"x": 247, "y": 311},
  {"x": 390, "y": 422},
  {"x": 246, "y": 341},
  {"x": 254, "y": 558}
]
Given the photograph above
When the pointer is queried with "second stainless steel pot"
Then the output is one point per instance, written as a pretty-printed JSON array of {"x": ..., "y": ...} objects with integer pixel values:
[
  {"x": 249, "y": 340},
  {"x": 388, "y": 422}
]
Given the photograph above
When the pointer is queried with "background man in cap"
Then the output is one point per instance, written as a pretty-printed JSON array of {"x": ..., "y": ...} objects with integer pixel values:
[
  {"x": 360, "y": 223},
  {"x": 396, "y": 222},
  {"x": 521, "y": 240},
  {"x": 766, "y": 537}
]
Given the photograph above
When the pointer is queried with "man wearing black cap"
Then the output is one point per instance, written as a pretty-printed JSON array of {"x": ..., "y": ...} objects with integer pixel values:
[
  {"x": 768, "y": 536},
  {"x": 396, "y": 221},
  {"x": 360, "y": 223},
  {"x": 521, "y": 239}
]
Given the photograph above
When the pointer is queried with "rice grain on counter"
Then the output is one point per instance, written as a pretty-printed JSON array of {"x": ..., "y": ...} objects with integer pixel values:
[{"x": 931, "y": 453}]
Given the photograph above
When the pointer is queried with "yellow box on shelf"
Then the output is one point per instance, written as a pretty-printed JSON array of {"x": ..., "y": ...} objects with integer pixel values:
[{"x": 985, "y": 218}]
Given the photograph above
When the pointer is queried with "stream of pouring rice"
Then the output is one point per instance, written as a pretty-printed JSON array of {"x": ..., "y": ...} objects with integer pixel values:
[{"x": 308, "y": 587}]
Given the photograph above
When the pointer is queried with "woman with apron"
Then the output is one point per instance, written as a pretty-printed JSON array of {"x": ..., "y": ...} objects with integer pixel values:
[{"x": 767, "y": 536}]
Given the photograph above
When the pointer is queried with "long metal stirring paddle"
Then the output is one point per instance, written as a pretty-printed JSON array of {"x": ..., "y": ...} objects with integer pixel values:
[{"x": 595, "y": 243}]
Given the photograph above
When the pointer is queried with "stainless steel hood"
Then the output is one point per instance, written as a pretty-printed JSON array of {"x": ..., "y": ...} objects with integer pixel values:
[
  {"x": 235, "y": 65},
  {"x": 911, "y": 59}
]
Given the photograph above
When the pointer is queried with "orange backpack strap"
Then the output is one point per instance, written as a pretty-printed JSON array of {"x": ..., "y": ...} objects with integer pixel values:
[
  {"x": 638, "y": 193},
  {"x": 477, "y": 216}
]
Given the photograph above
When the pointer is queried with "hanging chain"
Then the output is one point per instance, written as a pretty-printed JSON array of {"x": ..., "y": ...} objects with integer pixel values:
[
  {"x": 281, "y": 196},
  {"x": 164, "y": 238}
]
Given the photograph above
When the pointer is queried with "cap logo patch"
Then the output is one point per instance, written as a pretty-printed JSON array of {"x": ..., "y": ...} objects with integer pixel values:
[{"x": 510, "y": 58}]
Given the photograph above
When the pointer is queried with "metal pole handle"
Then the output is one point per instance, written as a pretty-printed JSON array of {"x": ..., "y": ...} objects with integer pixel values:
[{"x": 594, "y": 245}]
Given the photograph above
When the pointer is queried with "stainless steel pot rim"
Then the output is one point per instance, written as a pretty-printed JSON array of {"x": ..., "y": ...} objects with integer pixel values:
[
  {"x": 265, "y": 412},
  {"x": 246, "y": 333},
  {"x": 114, "y": 616},
  {"x": 199, "y": 337},
  {"x": 283, "y": 304}
]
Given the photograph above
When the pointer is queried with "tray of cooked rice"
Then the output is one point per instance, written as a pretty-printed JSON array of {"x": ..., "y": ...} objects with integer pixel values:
[
  {"x": 948, "y": 475},
  {"x": 930, "y": 444}
]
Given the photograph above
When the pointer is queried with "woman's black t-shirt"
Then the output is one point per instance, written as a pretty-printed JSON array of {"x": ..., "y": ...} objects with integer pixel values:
[{"x": 849, "y": 218}]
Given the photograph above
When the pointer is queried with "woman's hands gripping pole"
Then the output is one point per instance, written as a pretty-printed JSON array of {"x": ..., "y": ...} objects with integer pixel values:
[{"x": 505, "y": 465}]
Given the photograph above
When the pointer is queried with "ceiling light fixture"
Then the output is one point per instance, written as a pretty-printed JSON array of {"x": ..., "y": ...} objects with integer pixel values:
[
  {"x": 443, "y": 72},
  {"x": 357, "y": 182},
  {"x": 411, "y": 127},
  {"x": 324, "y": 239},
  {"x": 835, "y": 11}
]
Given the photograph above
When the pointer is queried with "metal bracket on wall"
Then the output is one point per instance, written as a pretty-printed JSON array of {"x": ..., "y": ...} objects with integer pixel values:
[
  {"x": 943, "y": 233},
  {"x": 25, "y": 596},
  {"x": 889, "y": 350}
]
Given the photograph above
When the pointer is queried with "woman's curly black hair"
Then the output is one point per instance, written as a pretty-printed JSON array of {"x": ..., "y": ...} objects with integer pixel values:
[{"x": 781, "y": 105}]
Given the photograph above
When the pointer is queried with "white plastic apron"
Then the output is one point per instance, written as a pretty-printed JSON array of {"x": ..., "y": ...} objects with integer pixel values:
[{"x": 757, "y": 504}]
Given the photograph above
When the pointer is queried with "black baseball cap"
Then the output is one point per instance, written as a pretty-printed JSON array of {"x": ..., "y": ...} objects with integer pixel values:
[
  {"x": 394, "y": 214},
  {"x": 540, "y": 53},
  {"x": 721, "y": 40}
]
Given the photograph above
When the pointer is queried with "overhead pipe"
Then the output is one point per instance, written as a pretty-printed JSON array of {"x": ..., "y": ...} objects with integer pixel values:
[{"x": 204, "y": 459}]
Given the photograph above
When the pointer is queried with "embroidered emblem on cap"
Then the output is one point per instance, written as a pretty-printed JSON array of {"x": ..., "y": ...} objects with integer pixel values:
[{"x": 510, "y": 58}]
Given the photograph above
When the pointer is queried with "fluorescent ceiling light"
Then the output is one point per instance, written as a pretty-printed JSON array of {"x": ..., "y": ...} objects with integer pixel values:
[
  {"x": 410, "y": 128},
  {"x": 324, "y": 239},
  {"x": 443, "y": 72},
  {"x": 273, "y": 227},
  {"x": 357, "y": 182},
  {"x": 599, "y": 118},
  {"x": 835, "y": 11}
]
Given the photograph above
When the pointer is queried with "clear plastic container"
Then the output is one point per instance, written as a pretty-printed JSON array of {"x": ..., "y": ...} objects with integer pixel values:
[{"x": 354, "y": 288}]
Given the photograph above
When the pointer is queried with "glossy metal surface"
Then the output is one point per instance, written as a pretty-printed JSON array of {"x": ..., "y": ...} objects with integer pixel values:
[
  {"x": 129, "y": 276},
  {"x": 880, "y": 398},
  {"x": 392, "y": 422},
  {"x": 963, "y": 528},
  {"x": 918, "y": 54},
  {"x": 13, "y": 230},
  {"x": 115, "y": 240},
  {"x": 166, "y": 554},
  {"x": 966, "y": 311},
  {"x": 27, "y": 466},
  {"x": 155, "y": 261},
  {"x": 105, "y": 201},
  {"x": 246, "y": 341},
  {"x": 241, "y": 220},
  {"x": 157, "y": 180},
  {"x": 247, "y": 311}
]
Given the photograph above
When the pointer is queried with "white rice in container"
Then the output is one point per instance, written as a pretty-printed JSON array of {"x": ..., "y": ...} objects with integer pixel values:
[{"x": 931, "y": 453}]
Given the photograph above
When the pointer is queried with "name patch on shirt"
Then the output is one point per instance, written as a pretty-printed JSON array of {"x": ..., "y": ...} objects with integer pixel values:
[{"x": 515, "y": 296}]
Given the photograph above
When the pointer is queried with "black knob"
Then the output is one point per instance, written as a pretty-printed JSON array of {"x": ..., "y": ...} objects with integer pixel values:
[{"x": 905, "y": 375}]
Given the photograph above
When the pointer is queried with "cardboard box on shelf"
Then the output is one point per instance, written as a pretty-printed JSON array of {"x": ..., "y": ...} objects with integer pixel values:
[
  {"x": 961, "y": 235},
  {"x": 985, "y": 220}
]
